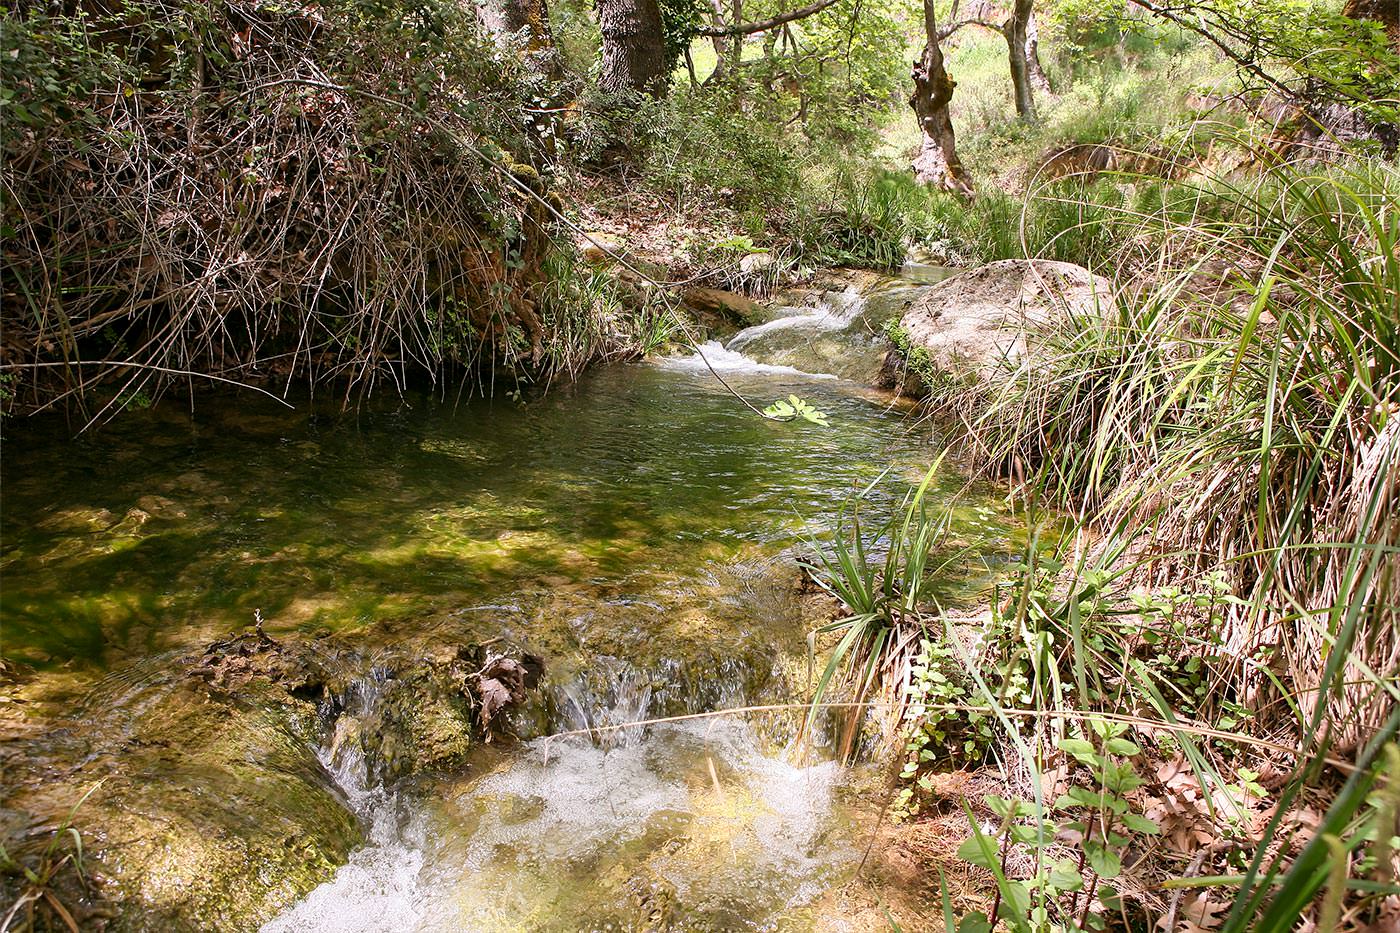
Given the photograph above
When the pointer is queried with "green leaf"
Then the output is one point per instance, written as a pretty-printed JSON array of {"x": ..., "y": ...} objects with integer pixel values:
[
  {"x": 980, "y": 850},
  {"x": 1015, "y": 901},
  {"x": 975, "y": 922},
  {"x": 1078, "y": 797},
  {"x": 1120, "y": 746},
  {"x": 1080, "y": 749},
  {"x": 1103, "y": 860},
  {"x": 794, "y": 407},
  {"x": 1065, "y": 876},
  {"x": 1140, "y": 824}
]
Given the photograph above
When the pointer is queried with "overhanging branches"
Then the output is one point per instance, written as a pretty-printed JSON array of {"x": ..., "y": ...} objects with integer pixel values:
[{"x": 745, "y": 29}]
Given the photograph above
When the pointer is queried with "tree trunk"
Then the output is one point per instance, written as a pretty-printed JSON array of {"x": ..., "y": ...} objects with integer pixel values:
[
  {"x": 734, "y": 56},
  {"x": 937, "y": 162},
  {"x": 1039, "y": 80},
  {"x": 721, "y": 44},
  {"x": 1385, "y": 12},
  {"x": 634, "y": 58},
  {"x": 507, "y": 18},
  {"x": 1016, "y": 30}
]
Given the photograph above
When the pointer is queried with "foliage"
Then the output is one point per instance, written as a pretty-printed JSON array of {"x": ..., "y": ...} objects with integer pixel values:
[
  {"x": 937, "y": 726},
  {"x": 1303, "y": 49},
  {"x": 41, "y": 876},
  {"x": 1097, "y": 812},
  {"x": 680, "y": 20}
]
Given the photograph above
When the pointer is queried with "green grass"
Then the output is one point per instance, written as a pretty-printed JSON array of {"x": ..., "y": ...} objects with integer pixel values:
[{"x": 1227, "y": 436}]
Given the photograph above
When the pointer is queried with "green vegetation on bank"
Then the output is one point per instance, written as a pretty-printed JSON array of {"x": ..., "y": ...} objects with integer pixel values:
[{"x": 1224, "y": 431}]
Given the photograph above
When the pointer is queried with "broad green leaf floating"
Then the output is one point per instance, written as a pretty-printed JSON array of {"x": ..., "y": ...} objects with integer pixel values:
[{"x": 792, "y": 408}]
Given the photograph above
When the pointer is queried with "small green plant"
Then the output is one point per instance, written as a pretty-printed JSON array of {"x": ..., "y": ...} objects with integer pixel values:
[
  {"x": 792, "y": 408},
  {"x": 1098, "y": 819},
  {"x": 39, "y": 876},
  {"x": 934, "y": 728}
]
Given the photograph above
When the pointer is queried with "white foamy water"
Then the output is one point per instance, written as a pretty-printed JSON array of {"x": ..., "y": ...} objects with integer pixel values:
[
  {"x": 833, "y": 312},
  {"x": 692, "y": 824},
  {"x": 723, "y": 360}
]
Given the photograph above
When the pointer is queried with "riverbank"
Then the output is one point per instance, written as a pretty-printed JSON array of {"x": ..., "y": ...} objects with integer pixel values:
[
  {"x": 635, "y": 533},
  {"x": 1199, "y": 679}
]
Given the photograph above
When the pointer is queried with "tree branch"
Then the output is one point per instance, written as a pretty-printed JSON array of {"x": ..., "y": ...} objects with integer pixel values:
[
  {"x": 946, "y": 31},
  {"x": 744, "y": 29},
  {"x": 1247, "y": 63}
]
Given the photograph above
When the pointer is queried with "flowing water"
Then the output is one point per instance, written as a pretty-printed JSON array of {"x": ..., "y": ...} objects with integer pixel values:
[{"x": 638, "y": 530}]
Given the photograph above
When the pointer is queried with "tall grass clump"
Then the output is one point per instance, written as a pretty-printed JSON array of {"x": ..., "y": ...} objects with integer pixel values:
[
  {"x": 882, "y": 579},
  {"x": 1236, "y": 410},
  {"x": 1195, "y": 690}
]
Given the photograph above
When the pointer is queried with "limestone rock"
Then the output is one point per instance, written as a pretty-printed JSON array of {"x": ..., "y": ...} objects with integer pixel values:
[
  {"x": 732, "y": 305},
  {"x": 599, "y": 247},
  {"x": 972, "y": 324},
  {"x": 757, "y": 264}
]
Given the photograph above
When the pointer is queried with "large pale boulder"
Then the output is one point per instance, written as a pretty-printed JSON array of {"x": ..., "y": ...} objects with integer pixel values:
[{"x": 973, "y": 324}]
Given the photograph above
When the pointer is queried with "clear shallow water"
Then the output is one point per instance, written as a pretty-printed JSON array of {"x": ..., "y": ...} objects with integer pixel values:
[
  {"x": 164, "y": 530},
  {"x": 637, "y": 530}
]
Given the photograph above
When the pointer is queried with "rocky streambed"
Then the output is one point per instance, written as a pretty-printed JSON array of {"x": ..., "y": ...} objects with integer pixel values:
[{"x": 317, "y": 663}]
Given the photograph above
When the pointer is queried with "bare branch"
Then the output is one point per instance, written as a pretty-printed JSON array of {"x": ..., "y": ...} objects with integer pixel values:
[
  {"x": 946, "y": 31},
  {"x": 744, "y": 29}
]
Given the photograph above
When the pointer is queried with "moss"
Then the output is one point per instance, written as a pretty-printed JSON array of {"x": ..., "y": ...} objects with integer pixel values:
[
  {"x": 917, "y": 361},
  {"x": 211, "y": 815}
]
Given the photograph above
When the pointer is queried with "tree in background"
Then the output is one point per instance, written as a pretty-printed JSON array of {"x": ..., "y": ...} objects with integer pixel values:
[
  {"x": 505, "y": 20},
  {"x": 634, "y": 53},
  {"x": 937, "y": 162},
  {"x": 1017, "y": 31}
]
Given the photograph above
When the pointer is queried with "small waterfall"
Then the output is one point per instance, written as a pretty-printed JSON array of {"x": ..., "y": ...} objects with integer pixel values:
[
  {"x": 838, "y": 336},
  {"x": 378, "y": 888},
  {"x": 624, "y": 697},
  {"x": 714, "y": 355},
  {"x": 833, "y": 311},
  {"x": 692, "y": 824}
]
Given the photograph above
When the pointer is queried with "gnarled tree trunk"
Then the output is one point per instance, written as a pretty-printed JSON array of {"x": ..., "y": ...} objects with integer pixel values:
[
  {"x": 1016, "y": 29},
  {"x": 634, "y": 57},
  {"x": 1039, "y": 80},
  {"x": 937, "y": 162}
]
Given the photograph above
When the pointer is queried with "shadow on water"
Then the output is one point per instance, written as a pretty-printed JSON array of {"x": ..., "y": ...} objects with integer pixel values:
[{"x": 163, "y": 529}]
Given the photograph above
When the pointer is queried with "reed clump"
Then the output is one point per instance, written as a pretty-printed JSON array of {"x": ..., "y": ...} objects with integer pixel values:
[
  {"x": 265, "y": 194},
  {"x": 1236, "y": 411}
]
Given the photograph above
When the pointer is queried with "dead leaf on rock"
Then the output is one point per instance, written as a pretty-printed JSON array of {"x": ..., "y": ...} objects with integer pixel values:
[{"x": 501, "y": 683}]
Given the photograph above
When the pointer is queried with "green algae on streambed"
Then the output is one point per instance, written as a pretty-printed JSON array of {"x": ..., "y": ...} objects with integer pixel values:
[
  {"x": 163, "y": 530},
  {"x": 639, "y": 521}
]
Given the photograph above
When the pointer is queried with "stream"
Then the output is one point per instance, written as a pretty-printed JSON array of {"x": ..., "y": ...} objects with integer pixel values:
[{"x": 637, "y": 530}]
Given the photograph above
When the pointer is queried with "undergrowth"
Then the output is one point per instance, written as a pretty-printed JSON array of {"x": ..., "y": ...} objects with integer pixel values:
[
  {"x": 1192, "y": 695},
  {"x": 270, "y": 194}
]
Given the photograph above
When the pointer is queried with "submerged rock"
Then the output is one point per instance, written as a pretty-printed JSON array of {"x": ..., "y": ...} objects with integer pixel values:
[
  {"x": 973, "y": 324},
  {"x": 224, "y": 775}
]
